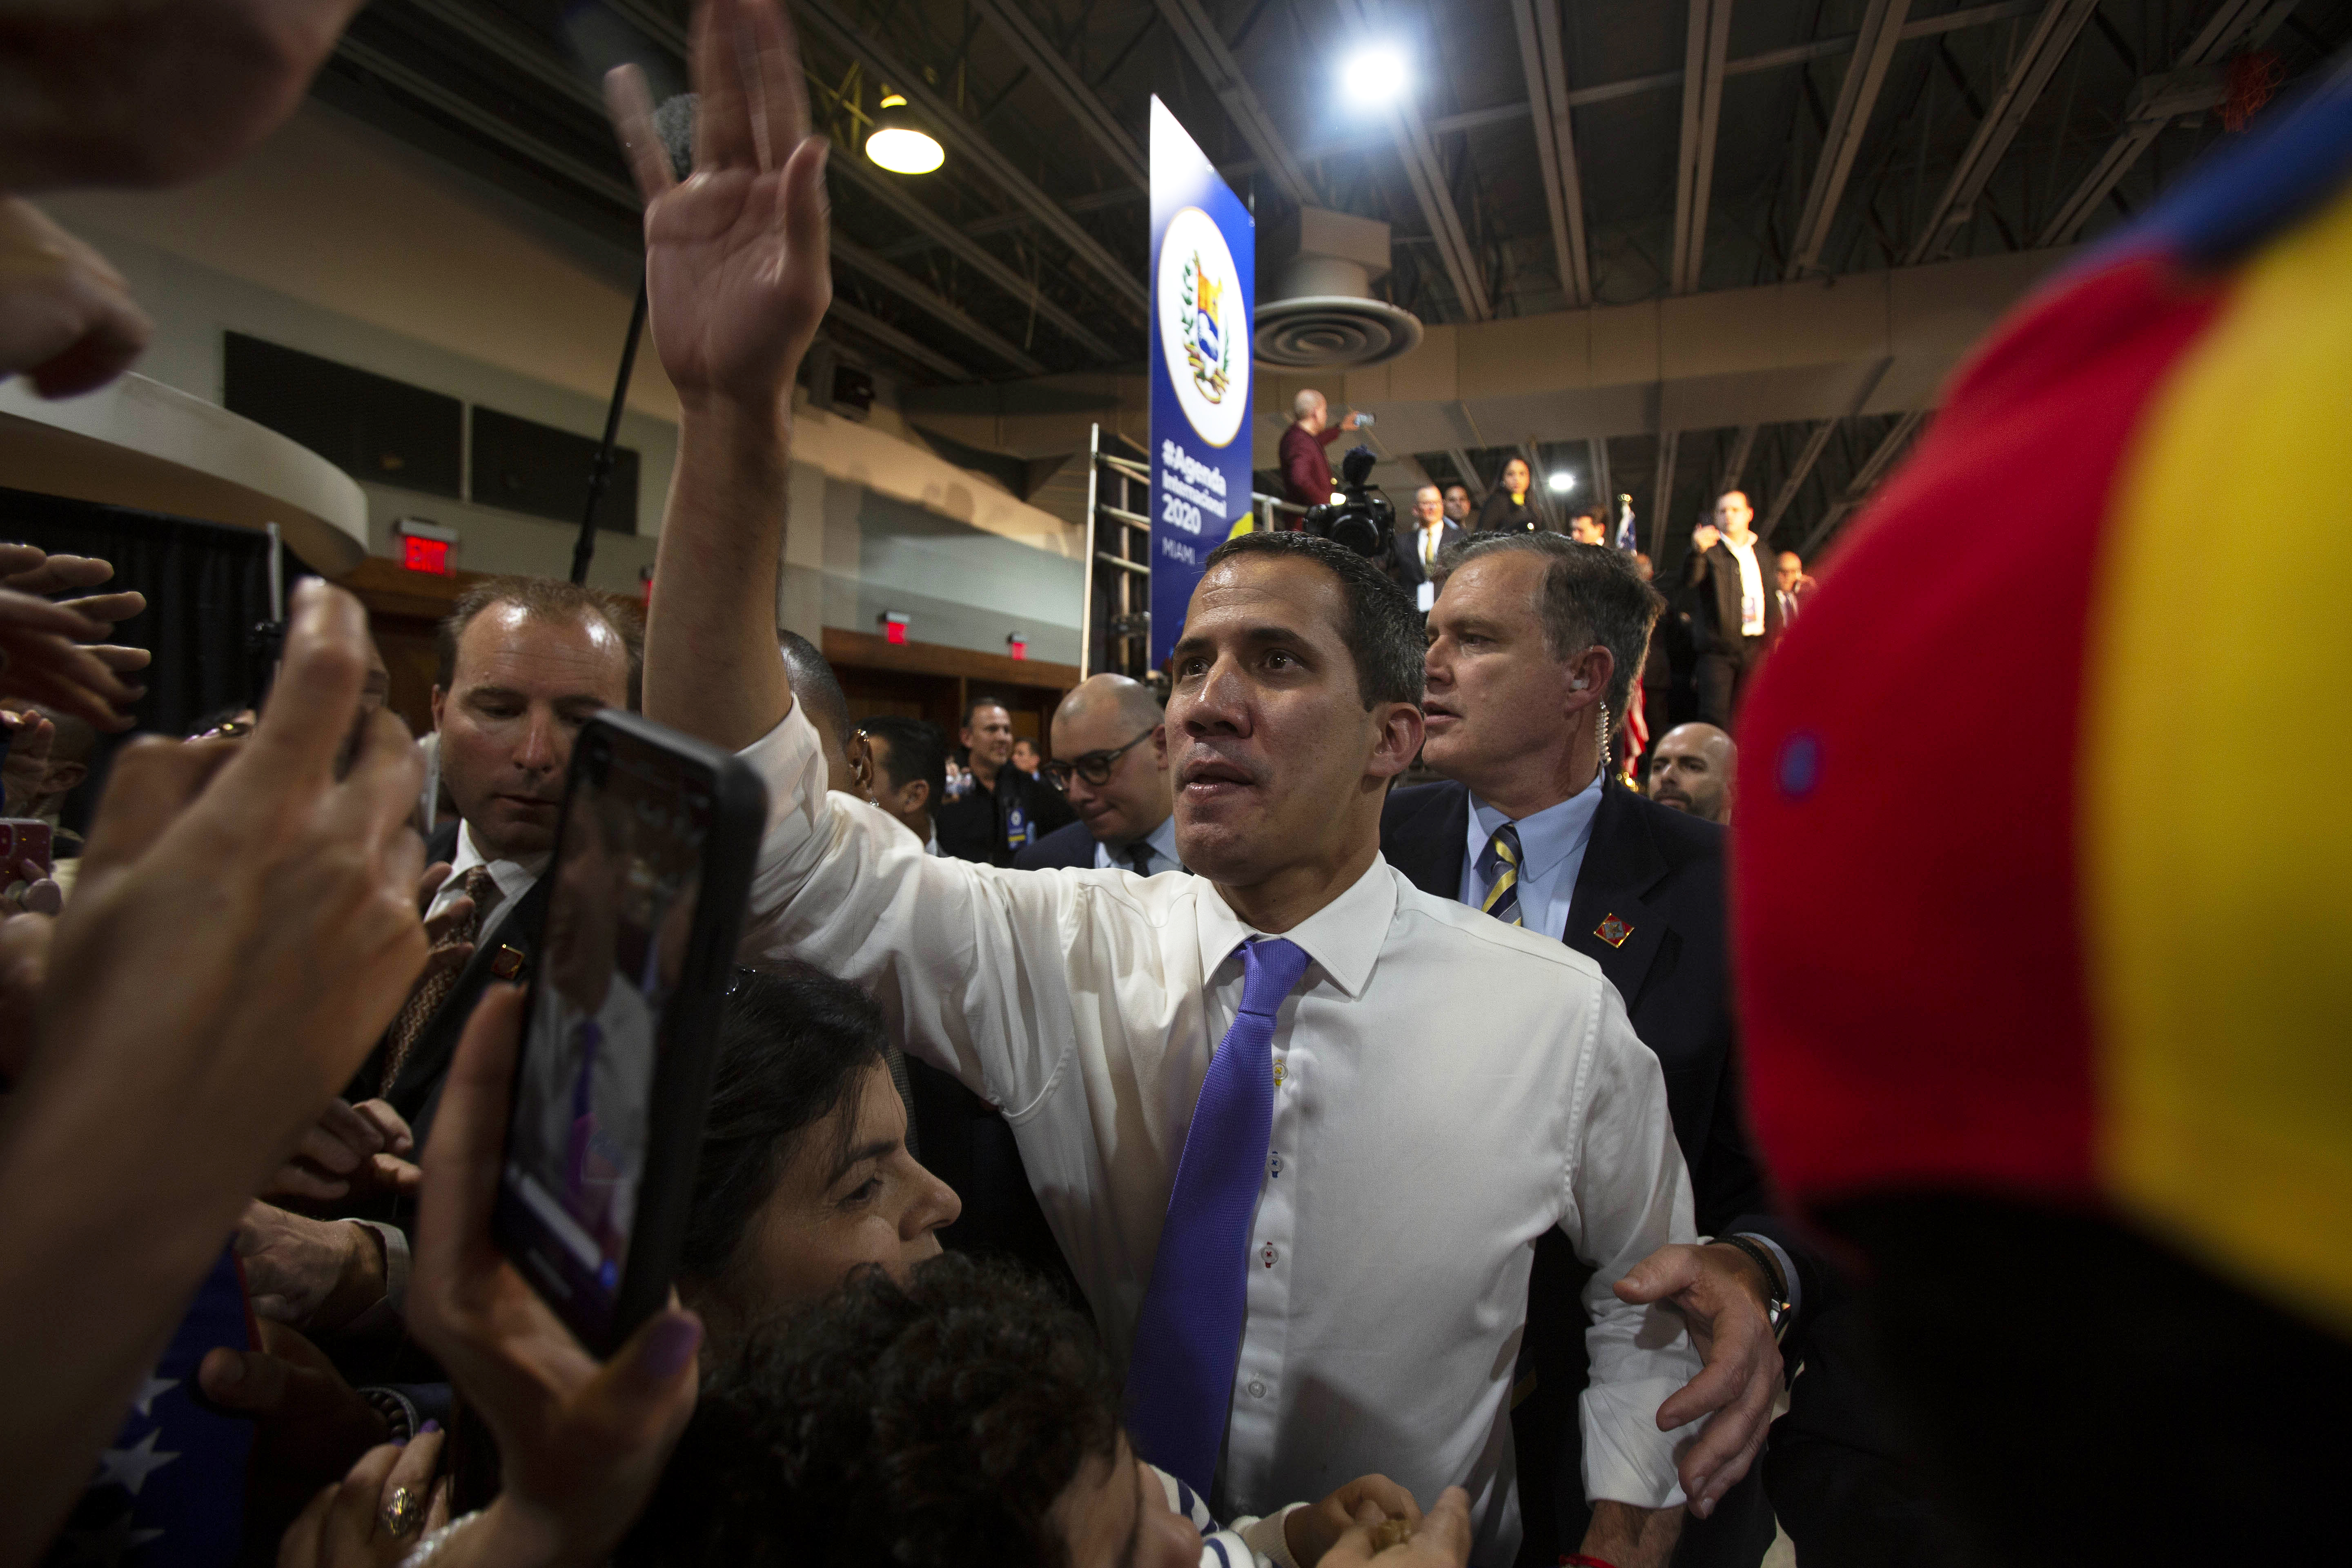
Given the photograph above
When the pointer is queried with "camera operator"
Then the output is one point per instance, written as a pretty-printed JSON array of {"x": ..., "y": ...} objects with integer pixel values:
[{"x": 1306, "y": 472}]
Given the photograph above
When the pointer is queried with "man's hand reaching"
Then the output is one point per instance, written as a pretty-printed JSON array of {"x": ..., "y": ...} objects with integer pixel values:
[
  {"x": 1717, "y": 1290},
  {"x": 737, "y": 275}
]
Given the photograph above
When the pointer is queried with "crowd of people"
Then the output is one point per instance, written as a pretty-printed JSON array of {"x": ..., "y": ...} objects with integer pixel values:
[{"x": 1300, "y": 1115}]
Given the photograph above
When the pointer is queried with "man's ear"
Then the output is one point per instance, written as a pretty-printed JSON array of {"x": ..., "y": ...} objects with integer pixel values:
[
  {"x": 915, "y": 795},
  {"x": 1159, "y": 746},
  {"x": 439, "y": 697},
  {"x": 1398, "y": 741},
  {"x": 64, "y": 777},
  {"x": 1588, "y": 677}
]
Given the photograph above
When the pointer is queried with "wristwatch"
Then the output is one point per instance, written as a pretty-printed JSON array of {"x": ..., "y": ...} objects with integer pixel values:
[{"x": 1779, "y": 1310}]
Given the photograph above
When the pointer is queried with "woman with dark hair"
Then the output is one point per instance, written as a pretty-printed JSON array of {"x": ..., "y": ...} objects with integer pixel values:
[{"x": 804, "y": 1173}]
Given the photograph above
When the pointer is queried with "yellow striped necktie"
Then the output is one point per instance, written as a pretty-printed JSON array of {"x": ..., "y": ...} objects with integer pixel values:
[{"x": 1498, "y": 867}]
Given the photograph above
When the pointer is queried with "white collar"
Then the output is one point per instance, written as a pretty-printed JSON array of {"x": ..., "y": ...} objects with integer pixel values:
[{"x": 1344, "y": 937}]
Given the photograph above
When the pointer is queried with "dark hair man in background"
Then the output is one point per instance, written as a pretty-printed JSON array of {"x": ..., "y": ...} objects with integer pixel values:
[
  {"x": 525, "y": 661},
  {"x": 1734, "y": 615},
  {"x": 1693, "y": 772},
  {"x": 910, "y": 772},
  {"x": 1306, "y": 468},
  {"x": 1005, "y": 810},
  {"x": 1506, "y": 508},
  {"x": 1534, "y": 649},
  {"x": 1457, "y": 505},
  {"x": 1113, "y": 768}
]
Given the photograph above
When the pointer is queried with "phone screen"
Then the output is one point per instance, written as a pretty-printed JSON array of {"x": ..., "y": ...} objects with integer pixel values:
[{"x": 620, "y": 914}]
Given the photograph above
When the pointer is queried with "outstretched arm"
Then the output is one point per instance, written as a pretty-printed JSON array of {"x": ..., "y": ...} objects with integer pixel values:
[{"x": 737, "y": 278}]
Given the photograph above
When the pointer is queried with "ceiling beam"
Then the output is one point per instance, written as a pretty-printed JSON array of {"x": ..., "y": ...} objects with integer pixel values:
[
  {"x": 1547, "y": 71},
  {"x": 1706, "y": 41},
  {"x": 1223, "y": 73},
  {"x": 847, "y": 252},
  {"x": 2250, "y": 22},
  {"x": 897, "y": 342},
  {"x": 886, "y": 189},
  {"x": 1799, "y": 472},
  {"x": 2037, "y": 61},
  {"x": 1865, "y": 479},
  {"x": 1865, "y": 74},
  {"x": 1470, "y": 479},
  {"x": 1425, "y": 171},
  {"x": 1597, "y": 446},
  {"x": 830, "y": 22},
  {"x": 1742, "y": 445},
  {"x": 1662, "y": 490},
  {"x": 1038, "y": 52}
]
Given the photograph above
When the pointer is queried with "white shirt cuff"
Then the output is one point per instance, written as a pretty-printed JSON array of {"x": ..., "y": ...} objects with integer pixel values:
[
  {"x": 395, "y": 1260},
  {"x": 1626, "y": 1458},
  {"x": 1265, "y": 1537}
]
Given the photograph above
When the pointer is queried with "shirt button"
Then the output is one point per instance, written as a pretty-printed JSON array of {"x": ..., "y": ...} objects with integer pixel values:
[
  {"x": 1276, "y": 1165},
  {"x": 1279, "y": 1073},
  {"x": 1257, "y": 1388},
  {"x": 1266, "y": 1255}
]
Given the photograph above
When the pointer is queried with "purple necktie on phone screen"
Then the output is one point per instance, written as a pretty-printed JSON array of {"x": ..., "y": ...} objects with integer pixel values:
[
  {"x": 1188, "y": 1337},
  {"x": 584, "y": 1115}
]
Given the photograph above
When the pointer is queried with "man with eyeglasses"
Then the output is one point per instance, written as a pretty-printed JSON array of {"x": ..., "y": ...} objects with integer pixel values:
[{"x": 1110, "y": 729}]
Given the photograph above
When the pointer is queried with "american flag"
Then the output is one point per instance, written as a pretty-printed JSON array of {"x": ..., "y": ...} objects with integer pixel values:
[{"x": 170, "y": 1487}]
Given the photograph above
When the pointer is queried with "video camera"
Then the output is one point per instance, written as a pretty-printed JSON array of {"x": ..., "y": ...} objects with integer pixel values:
[{"x": 1363, "y": 520}]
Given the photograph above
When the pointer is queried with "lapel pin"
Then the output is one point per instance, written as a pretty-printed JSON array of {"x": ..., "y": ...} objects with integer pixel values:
[
  {"x": 1612, "y": 930},
  {"x": 507, "y": 961}
]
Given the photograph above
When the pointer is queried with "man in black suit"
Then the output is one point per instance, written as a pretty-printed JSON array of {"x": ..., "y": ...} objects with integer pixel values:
[
  {"x": 1003, "y": 810},
  {"x": 1110, "y": 763},
  {"x": 524, "y": 663},
  {"x": 1418, "y": 541},
  {"x": 1734, "y": 612},
  {"x": 1535, "y": 645}
]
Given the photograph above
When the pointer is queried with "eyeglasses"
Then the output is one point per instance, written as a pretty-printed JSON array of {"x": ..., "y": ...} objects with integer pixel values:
[{"x": 1092, "y": 766}]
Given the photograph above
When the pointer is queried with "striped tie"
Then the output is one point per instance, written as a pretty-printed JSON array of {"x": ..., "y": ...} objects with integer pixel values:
[{"x": 1499, "y": 867}]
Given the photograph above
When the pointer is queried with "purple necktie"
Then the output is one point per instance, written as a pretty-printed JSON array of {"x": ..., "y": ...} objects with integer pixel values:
[{"x": 1187, "y": 1338}]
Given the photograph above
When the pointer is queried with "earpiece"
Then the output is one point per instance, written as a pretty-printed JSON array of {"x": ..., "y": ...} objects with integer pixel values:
[{"x": 1579, "y": 683}]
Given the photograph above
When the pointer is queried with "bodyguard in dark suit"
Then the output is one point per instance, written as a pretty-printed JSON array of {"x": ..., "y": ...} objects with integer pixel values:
[
  {"x": 1536, "y": 645},
  {"x": 1734, "y": 612}
]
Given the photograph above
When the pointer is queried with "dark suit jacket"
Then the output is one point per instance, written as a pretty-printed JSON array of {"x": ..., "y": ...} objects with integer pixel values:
[
  {"x": 417, "y": 1091},
  {"x": 1404, "y": 551},
  {"x": 1711, "y": 590},
  {"x": 1072, "y": 845},
  {"x": 1661, "y": 873},
  {"x": 1496, "y": 513}
]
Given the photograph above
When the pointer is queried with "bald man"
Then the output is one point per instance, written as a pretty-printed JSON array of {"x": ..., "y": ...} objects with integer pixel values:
[
  {"x": 1305, "y": 471},
  {"x": 1110, "y": 757},
  {"x": 1419, "y": 540},
  {"x": 1692, "y": 771}
]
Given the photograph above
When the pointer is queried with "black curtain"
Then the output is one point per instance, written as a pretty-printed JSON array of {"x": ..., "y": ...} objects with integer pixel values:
[{"x": 206, "y": 585}]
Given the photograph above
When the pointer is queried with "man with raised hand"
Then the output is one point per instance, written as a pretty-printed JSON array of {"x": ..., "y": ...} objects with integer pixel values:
[{"x": 1304, "y": 1225}]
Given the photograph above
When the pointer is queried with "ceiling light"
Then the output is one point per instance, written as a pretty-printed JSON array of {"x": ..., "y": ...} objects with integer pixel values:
[
  {"x": 897, "y": 143},
  {"x": 1562, "y": 482},
  {"x": 1374, "y": 76}
]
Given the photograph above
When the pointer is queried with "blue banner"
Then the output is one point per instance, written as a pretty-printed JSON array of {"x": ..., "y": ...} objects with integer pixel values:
[{"x": 1203, "y": 293}]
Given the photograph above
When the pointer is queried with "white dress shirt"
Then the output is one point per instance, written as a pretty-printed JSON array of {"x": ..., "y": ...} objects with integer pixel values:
[
  {"x": 1450, "y": 1089},
  {"x": 511, "y": 878},
  {"x": 1751, "y": 588},
  {"x": 1551, "y": 852},
  {"x": 1161, "y": 841}
]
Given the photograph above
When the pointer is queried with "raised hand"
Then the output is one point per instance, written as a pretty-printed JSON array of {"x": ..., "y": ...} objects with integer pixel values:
[
  {"x": 1716, "y": 1292},
  {"x": 737, "y": 273},
  {"x": 67, "y": 318}
]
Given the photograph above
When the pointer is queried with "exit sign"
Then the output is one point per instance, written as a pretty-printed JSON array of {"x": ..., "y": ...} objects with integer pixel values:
[
  {"x": 424, "y": 554},
  {"x": 894, "y": 628}
]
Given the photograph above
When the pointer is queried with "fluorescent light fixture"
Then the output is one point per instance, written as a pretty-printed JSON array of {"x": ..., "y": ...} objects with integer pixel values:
[
  {"x": 1562, "y": 482},
  {"x": 1374, "y": 76},
  {"x": 898, "y": 145}
]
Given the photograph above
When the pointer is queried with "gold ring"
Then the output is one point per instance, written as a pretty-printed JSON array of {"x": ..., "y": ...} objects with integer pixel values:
[{"x": 404, "y": 1512}]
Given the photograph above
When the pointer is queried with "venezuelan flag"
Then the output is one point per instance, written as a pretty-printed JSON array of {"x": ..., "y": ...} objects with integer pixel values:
[{"x": 2014, "y": 914}]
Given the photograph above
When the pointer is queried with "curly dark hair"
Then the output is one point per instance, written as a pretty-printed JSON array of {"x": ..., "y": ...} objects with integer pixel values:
[{"x": 928, "y": 1426}]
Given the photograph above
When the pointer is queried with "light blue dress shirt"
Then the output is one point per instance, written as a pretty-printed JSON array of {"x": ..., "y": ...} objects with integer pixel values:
[
  {"x": 1551, "y": 852},
  {"x": 1162, "y": 840}
]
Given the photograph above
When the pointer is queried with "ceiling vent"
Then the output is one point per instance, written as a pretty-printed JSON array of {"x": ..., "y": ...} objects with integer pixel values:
[{"x": 1315, "y": 307}]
